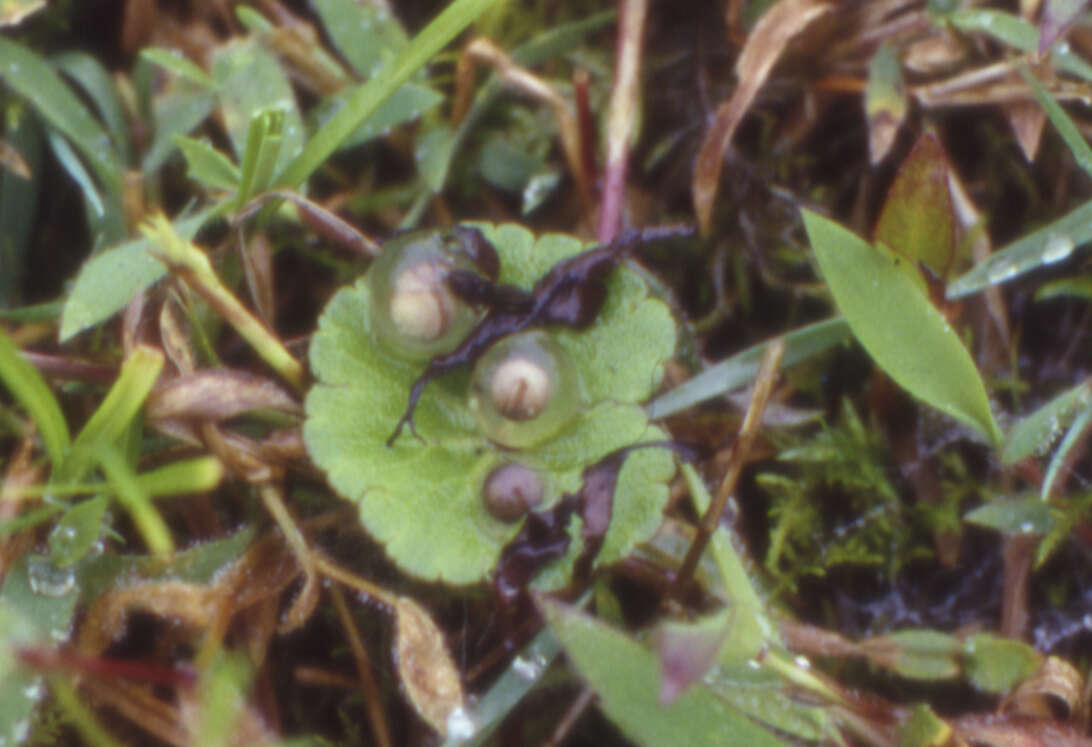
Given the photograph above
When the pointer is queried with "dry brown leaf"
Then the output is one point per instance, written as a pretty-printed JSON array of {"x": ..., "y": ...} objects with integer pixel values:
[
  {"x": 764, "y": 46},
  {"x": 190, "y": 604},
  {"x": 11, "y": 159},
  {"x": 216, "y": 395},
  {"x": 939, "y": 52},
  {"x": 256, "y": 257},
  {"x": 428, "y": 675},
  {"x": 176, "y": 342},
  {"x": 994, "y": 731},
  {"x": 1057, "y": 683}
]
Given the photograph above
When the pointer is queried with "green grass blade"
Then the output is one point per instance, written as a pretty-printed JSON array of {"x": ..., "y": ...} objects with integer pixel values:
[
  {"x": 131, "y": 495},
  {"x": 1035, "y": 433},
  {"x": 1073, "y": 437},
  {"x": 367, "y": 98},
  {"x": 1066, "y": 127},
  {"x": 30, "y": 390},
  {"x": 118, "y": 408},
  {"x": 95, "y": 80},
  {"x": 1051, "y": 243},
  {"x": 740, "y": 370},
  {"x": 32, "y": 78},
  {"x": 196, "y": 475}
]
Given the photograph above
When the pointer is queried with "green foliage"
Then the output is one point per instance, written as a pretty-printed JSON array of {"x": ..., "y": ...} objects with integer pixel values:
[
  {"x": 423, "y": 500},
  {"x": 837, "y": 505},
  {"x": 626, "y": 677},
  {"x": 896, "y": 323}
]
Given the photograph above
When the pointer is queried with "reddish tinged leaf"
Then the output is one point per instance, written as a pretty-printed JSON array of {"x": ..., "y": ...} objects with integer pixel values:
[
  {"x": 918, "y": 220},
  {"x": 687, "y": 652},
  {"x": 1058, "y": 16},
  {"x": 1027, "y": 120}
]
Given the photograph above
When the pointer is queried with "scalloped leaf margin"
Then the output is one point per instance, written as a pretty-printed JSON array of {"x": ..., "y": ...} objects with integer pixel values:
[{"x": 423, "y": 500}]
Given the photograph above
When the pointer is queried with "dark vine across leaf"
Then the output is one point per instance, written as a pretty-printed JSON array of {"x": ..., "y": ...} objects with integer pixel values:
[{"x": 571, "y": 294}]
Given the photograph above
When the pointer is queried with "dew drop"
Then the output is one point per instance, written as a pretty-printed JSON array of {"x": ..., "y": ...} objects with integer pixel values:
[
  {"x": 460, "y": 727},
  {"x": 528, "y": 669},
  {"x": 48, "y": 580},
  {"x": 1057, "y": 248}
]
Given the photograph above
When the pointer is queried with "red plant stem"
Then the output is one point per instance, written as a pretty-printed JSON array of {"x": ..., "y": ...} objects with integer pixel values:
[{"x": 623, "y": 106}]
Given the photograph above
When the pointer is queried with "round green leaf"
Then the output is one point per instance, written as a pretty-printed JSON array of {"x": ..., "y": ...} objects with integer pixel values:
[{"x": 422, "y": 500}]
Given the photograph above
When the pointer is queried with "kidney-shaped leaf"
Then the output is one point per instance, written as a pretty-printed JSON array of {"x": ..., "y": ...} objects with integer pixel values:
[
  {"x": 895, "y": 322},
  {"x": 422, "y": 499}
]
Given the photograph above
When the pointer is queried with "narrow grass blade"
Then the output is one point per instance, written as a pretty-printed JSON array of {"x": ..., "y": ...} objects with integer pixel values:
[
  {"x": 1066, "y": 127},
  {"x": 137, "y": 502},
  {"x": 739, "y": 370},
  {"x": 30, "y": 390},
  {"x": 366, "y": 99},
  {"x": 1035, "y": 433},
  {"x": 1052, "y": 243},
  {"x": 112, "y": 418},
  {"x": 95, "y": 80},
  {"x": 1073, "y": 437},
  {"x": 32, "y": 78}
]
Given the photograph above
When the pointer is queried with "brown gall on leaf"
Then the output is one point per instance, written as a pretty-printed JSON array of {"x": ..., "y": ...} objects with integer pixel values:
[
  {"x": 428, "y": 675},
  {"x": 570, "y": 294},
  {"x": 764, "y": 46},
  {"x": 510, "y": 491},
  {"x": 544, "y": 536}
]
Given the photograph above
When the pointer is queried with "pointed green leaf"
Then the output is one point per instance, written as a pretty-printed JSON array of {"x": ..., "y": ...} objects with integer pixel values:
[
  {"x": 1036, "y": 433},
  {"x": 30, "y": 390},
  {"x": 902, "y": 331},
  {"x": 366, "y": 99},
  {"x": 207, "y": 165},
  {"x": 250, "y": 81},
  {"x": 110, "y": 279},
  {"x": 1016, "y": 516}
]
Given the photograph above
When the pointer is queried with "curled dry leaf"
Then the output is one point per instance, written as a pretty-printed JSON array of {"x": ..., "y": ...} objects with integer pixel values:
[
  {"x": 1055, "y": 688},
  {"x": 427, "y": 673},
  {"x": 764, "y": 46},
  {"x": 991, "y": 731},
  {"x": 217, "y": 395}
]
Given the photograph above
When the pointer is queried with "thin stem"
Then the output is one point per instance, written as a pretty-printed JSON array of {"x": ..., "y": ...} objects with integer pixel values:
[{"x": 760, "y": 396}]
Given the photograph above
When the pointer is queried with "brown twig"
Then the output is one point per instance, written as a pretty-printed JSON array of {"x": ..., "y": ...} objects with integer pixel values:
[
  {"x": 760, "y": 396},
  {"x": 373, "y": 700}
]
